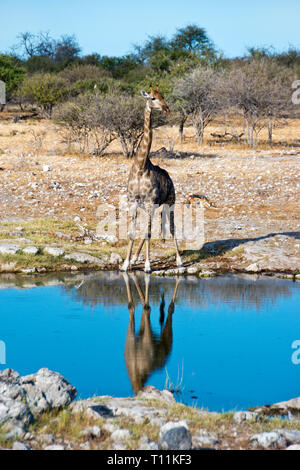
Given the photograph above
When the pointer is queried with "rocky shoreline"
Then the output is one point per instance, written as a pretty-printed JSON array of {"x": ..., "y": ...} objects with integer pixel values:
[
  {"x": 261, "y": 257},
  {"x": 39, "y": 412}
]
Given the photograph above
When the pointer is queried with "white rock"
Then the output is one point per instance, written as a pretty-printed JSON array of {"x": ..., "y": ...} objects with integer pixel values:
[
  {"x": 107, "y": 238},
  {"x": 253, "y": 268},
  {"x": 21, "y": 398},
  {"x": 192, "y": 270},
  {"x": 241, "y": 416},
  {"x": 54, "y": 251},
  {"x": 174, "y": 424},
  {"x": 47, "y": 389},
  {"x": 109, "y": 427},
  {"x": 19, "y": 446},
  {"x": 152, "y": 393},
  {"x": 115, "y": 258},
  {"x": 175, "y": 436},
  {"x": 83, "y": 258},
  {"x": 119, "y": 446},
  {"x": 206, "y": 274},
  {"x": 292, "y": 404},
  {"x": 54, "y": 447},
  {"x": 121, "y": 434},
  {"x": 269, "y": 440},
  {"x": 8, "y": 248},
  {"x": 291, "y": 436},
  {"x": 92, "y": 431},
  {"x": 205, "y": 438},
  {"x": 28, "y": 270},
  {"x": 31, "y": 250},
  {"x": 146, "y": 444}
]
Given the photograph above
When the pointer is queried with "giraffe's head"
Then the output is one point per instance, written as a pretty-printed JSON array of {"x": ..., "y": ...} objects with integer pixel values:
[{"x": 156, "y": 100}]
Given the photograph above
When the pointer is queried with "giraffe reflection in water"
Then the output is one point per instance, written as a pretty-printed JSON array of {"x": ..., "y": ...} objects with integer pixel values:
[{"x": 146, "y": 351}]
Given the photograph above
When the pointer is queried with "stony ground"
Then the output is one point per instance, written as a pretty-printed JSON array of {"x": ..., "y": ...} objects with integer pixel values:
[
  {"x": 46, "y": 184},
  {"x": 152, "y": 421},
  {"x": 39, "y": 412}
]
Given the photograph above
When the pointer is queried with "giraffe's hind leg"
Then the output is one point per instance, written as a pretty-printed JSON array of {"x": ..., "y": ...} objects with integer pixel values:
[
  {"x": 163, "y": 220},
  {"x": 170, "y": 212},
  {"x": 172, "y": 230}
]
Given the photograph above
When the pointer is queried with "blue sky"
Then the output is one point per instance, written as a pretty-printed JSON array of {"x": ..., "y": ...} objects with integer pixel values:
[{"x": 112, "y": 27}]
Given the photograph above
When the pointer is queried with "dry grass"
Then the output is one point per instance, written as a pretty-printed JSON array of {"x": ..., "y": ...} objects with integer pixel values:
[{"x": 65, "y": 425}]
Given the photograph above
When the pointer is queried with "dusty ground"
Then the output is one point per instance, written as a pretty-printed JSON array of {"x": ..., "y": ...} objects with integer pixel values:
[{"x": 256, "y": 192}]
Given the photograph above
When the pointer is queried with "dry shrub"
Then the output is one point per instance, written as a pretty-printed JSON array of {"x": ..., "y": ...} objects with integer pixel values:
[{"x": 95, "y": 120}]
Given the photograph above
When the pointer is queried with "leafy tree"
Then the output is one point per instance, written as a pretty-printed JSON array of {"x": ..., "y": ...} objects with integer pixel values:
[
  {"x": 37, "y": 63},
  {"x": 258, "y": 53},
  {"x": 45, "y": 90},
  {"x": 160, "y": 55},
  {"x": 66, "y": 49},
  {"x": 91, "y": 59},
  {"x": 194, "y": 39},
  {"x": 11, "y": 74},
  {"x": 151, "y": 47},
  {"x": 290, "y": 59},
  {"x": 119, "y": 67}
]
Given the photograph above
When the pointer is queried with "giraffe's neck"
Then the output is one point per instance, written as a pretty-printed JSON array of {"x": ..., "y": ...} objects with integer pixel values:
[{"x": 144, "y": 150}]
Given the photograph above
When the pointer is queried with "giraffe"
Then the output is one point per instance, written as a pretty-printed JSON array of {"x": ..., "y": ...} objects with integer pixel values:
[
  {"x": 149, "y": 186},
  {"x": 146, "y": 351}
]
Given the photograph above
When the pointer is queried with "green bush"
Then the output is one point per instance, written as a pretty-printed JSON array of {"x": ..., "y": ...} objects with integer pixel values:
[
  {"x": 11, "y": 74},
  {"x": 45, "y": 90}
]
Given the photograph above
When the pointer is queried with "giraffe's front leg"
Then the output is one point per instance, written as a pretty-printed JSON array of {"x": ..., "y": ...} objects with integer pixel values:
[
  {"x": 126, "y": 263},
  {"x": 147, "y": 268},
  {"x": 137, "y": 254},
  {"x": 148, "y": 238},
  {"x": 131, "y": 236}
]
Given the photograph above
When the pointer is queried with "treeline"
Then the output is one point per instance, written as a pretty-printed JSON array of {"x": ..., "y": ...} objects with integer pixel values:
[{"x": 96, "y": 97}]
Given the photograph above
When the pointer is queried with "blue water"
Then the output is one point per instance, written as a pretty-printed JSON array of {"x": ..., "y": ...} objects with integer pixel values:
[{"x": 228, "y": 345}]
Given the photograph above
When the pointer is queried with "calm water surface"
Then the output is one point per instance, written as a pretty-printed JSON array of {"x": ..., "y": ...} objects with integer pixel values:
[{"x": 225, "y": 342}]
